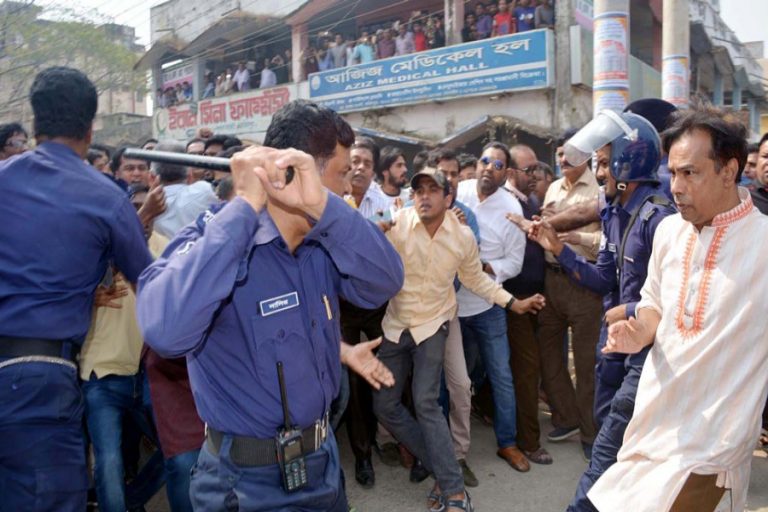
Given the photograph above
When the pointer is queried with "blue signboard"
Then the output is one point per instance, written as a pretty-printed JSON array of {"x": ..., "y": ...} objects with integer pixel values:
[{"x": 509, "y": 63}]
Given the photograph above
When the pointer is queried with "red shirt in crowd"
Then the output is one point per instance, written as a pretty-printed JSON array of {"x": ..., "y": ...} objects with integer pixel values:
[
  {"x": 505, "y": 23},
  {"x": 419, "y": 41}
]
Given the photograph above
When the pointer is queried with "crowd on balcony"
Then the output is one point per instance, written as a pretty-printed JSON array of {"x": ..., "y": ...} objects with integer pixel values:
[
  {"x": 424, "y": 31},
  {"x": 243, "y": 76}
]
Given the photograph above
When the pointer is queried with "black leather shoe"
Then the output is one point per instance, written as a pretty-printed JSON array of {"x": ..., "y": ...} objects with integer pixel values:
[
  {"x": 364, "y": 473},
  {"x": 418, "y": 472}
]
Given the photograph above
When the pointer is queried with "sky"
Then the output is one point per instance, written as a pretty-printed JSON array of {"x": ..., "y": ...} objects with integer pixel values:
[{"x": 746, "y": 17}]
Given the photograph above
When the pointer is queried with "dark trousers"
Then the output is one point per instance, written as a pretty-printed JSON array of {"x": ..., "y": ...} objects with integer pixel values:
[
  {"x": 42, "y": 452},
  {"x": 524, "y": 360},
  {"x": 609, "y": 374},
  {"x": 427, "y": 436},
  {"x": 569, "y": 305},
  {"x": 219, "y": 485},
  {"x": 699, "y": 493},
  {"x": 361, "y": 422},
  {"x": 611, "y": 435}
]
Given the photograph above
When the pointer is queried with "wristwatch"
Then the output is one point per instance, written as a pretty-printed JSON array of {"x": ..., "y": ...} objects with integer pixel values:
[{"x": 508, "y": 307}]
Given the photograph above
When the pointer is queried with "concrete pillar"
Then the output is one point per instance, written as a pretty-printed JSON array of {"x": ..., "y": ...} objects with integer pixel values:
[
  {"x": 570, "y": 107},
  {"x": 736, "y": 100},
  {"x": 454, "y": 21},
  {"x": 676, "y": 44},
  {"x": 754, "y": 117},
  {"x": 299, "y": 43},
  {"x": 717, "y": 94},
  {"x": 157, "y": 82},
  {"x": 610, "y": 88},
  {"x": 198, "y": 79}
]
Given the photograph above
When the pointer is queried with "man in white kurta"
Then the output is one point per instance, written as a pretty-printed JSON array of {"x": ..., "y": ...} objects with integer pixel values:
[{"x": 703, "y": 387}]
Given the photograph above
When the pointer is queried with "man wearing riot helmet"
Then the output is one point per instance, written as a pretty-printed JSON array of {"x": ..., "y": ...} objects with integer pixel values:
[{"x": 628, "y": 153}]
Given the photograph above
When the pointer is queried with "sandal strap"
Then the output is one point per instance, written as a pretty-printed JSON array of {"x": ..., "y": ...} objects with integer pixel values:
[
  {"x": 463, "y": 504},
  {"x": 439, "y": 502}
]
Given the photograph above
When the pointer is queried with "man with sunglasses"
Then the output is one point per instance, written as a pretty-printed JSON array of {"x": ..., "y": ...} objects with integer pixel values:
[
  {"x": 570, "y": 305},
  {"x": 521, "y": 329},
  {"x": 502, "y": 248},
  {"x": 13, "y": 140}
]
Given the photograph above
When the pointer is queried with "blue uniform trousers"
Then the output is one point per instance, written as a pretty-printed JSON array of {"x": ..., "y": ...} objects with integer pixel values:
[
  {"x": 611, "y": 435},
  {"x": 609, "y": 374},
  {"x": 42, "y": 452},
  {"x": 219, "y": 485}
]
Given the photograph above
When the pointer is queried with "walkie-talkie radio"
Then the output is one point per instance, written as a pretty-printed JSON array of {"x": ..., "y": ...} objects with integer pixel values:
[{"x": 290, "y": 445}]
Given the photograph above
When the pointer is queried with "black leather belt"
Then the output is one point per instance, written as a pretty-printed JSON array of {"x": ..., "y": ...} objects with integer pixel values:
[
  {"x": 251, "y": 451},
  {"x": 25, "y": 347}
]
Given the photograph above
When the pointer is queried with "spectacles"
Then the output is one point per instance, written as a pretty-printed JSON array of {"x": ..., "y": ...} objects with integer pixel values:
[
  {"x": 17, "y": 143},
  {"x": 530, "y": 170},
  {"x": 497, "y": 164}
]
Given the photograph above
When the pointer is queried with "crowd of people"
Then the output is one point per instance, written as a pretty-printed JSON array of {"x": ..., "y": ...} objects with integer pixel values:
[
  {"x": 422, "y": 31},
  {"x": 237, "y": 320}
]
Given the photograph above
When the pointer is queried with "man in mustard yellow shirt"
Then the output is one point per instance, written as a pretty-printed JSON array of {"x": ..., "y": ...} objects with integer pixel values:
[{"x": 434, "y": 246}]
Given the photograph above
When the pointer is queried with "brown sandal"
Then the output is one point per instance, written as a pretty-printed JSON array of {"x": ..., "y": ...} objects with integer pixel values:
[{"x": 540, "y": 456}]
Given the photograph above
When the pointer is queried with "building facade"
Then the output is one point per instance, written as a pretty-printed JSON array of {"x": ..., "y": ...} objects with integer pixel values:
[{"x": 526, "y": 87}]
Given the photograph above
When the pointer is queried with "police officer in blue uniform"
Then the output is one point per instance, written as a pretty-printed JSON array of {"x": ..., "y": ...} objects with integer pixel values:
[
  {"x": 628, "y": 152},
  {"x": 62, "y": 223},
  {"x": 258, "y": 285}
]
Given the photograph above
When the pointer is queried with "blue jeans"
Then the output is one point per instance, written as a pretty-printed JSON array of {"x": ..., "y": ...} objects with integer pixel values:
[
  {"x": 219, "y": 485},
  {"x": 177, "y": 471},
  {"x": 107, "y": 401},
  {"x": 489, "y": 330},
  {"x": 42, "y": 452}
]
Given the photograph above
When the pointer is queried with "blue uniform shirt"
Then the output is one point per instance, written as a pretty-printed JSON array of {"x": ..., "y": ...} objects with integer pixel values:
[
  {"x": 665, "y": 177},
  {"x": 62, "y": 221},
  {"x": 229, "y": 295},
  {"x": 601, "y": 277}
]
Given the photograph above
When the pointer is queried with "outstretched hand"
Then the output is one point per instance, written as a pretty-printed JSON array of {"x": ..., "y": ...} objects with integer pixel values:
[
  {"x": 532, "y": 304},
  {"x": 625, "y": 337},
  {"x": 544, "y": 234},
  {"x": 361, "y": 359}
]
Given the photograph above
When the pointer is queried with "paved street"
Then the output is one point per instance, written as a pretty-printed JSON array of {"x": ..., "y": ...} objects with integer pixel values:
[{"x": 543, "y": 489}]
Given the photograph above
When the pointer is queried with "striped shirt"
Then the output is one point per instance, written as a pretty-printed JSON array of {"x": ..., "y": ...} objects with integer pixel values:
[
  {"x": 701, "y": 394},
  {"x": 374, "y": 201}
]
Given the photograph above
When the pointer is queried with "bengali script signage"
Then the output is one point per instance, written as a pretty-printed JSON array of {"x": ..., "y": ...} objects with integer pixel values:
[
  {"x": 509, "y": 63},
  {"x": 244, "y": 114}
]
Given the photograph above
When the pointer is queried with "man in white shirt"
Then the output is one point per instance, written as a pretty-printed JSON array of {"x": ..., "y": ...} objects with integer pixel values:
[
  {"x": 268, "y": 77},
  {"x": 702, "y": 390},
  {"x": 184, "y": 203},
  {"x": 403, "y": 41},
  {"x": 242, "y": 77},
  {"x": 502, "y": 248},
  {"x": 368, "y": 197}
]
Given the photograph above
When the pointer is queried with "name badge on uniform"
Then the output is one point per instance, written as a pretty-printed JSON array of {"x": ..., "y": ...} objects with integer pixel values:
[
  {"x": 278, "y": 304},
  {"x": 612, "y": 247}
]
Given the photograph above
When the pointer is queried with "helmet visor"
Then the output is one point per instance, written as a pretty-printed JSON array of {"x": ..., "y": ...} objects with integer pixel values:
[{"x": 601, "y": 130}]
